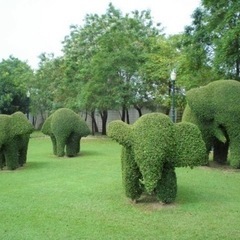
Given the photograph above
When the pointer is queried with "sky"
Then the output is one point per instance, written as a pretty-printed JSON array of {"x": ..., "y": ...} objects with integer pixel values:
[{"x": 31, "y": 27}]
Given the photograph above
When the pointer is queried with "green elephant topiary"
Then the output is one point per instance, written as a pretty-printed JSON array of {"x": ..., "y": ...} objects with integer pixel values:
[
  {"x": 15, "y": 131},
  {"x": 152, "y": 147},
  {"x": 66, "y": 128},
  {"x": 215, "y": 109}
]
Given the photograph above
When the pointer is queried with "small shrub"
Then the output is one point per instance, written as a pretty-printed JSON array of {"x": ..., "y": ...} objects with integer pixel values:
[{"x": 66, "y": 128}]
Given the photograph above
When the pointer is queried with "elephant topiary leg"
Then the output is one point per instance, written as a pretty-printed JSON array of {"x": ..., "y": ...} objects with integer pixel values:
[
  {"x": 54, "y": 144},
  {"x": 22, "y": 142},
  {"x": 167, "y": 186},
  {"x": 234, "y": 148},
  {"x": 11, "y": 156},
  {"x": 60, "y": 147},
  {"x": 2, "y": 159},
  {"x": 131, "y": 175},
  {"x": 234, "y": 158},
  {"x": 73, "y": 145}
]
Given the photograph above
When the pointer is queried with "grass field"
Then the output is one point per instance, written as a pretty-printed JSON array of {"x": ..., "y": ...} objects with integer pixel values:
[{"x": 83, "y": 198}]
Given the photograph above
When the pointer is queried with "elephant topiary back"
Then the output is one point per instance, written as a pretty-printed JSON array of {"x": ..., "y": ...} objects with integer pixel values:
[
  {"x": 66, "y": 128},
  {"x": 71, "y": 122}
]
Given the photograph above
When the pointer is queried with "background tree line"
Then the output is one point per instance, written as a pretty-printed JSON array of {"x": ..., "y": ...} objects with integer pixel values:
[{"x": 115, "y": 61}]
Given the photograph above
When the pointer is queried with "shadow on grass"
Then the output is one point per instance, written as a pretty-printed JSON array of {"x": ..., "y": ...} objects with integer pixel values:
[
  {"x": 27, "y": 166},
  {"x": 89, "y": 153},
  {"x": 35, "y": 165}
]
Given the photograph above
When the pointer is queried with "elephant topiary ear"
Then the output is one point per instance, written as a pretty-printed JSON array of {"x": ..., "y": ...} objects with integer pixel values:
[
  {"x": 120, "y": 131},
  {"x": 20, "y": 124},
  {"x": 190, "y": 147}
]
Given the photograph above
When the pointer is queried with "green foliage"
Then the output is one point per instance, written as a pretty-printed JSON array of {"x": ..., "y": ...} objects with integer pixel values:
[
  {"x": 206, "y": 129},
  {"x": 121, "y": 132},
  {"x": 46, "y": 128},
  {"x": 20, "y": 124},
  {"x": 65, "y": 128},
  {"x": 224, "y": 25},
  {"x": 48, "y": 89},
  {"x": 216, "y": 107},
  {"x": 14, "y": 138},
  {"x": 211, "y": 43},
  {"x": 167, "y": 186},
  {"x": 111, "y": 50},
  {"x": 131, "y": 174},
  {"x": 15, "y": 76},
  {"x": 152, "y": 147},
  {"x": 188, "y": 134}
]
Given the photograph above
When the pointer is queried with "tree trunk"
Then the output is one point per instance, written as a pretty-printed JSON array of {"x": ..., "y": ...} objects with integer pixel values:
[
  {"x": 94, "y": 123},
  {"x": 139, "y": 110},
  {"x": 123, "y": 113},
  {"x": 127, "y": 113},
  {"x": 104, "y": 116}
]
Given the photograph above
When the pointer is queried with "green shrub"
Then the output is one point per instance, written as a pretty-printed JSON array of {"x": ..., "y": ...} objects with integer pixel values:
[
  {"x": 66, "y": 128},
  {"x": 216, "y": 112},
  {"x": 152, "y": 147},
  {"x": 188, "y": 134},
  {"x": 15, "y": 131}
]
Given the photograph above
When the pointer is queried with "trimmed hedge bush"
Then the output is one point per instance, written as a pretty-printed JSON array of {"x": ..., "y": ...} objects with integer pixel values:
[
  {"x": 66, "y": 128},
  {"x": 152, "y": 147},
  {"x": 215, "y": 109},
  {"x": 15, "y": 131}
]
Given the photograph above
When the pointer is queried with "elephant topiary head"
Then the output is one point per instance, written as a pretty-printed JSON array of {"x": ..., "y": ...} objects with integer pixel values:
[
  {"x": 156, "y": 145},
  {"x": 15, "y": 131},
  {"x": 13, "y": 125},
  {"x": 215, "y": 109}
]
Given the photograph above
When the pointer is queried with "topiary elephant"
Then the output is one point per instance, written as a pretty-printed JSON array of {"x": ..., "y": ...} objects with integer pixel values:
[
  {"x": 66, "y": 128},
  {"x": 15, "y": 131},
  {"x": 152, "y": 147},
  {"x": 215, "y": 109}
]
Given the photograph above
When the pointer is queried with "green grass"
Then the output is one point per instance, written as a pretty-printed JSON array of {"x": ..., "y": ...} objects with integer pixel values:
[{"x": 83, "y": 198}]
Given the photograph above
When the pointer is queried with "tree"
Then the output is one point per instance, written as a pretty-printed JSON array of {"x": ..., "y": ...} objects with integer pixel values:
[
  {"x": 210, "y": 46},
  {"x": 161, "y": 58},
  {"x": 104, "y": 59},
  {"x": 15, "y": 76},
  {"x": 223, "y": 23},
  {"x": 48, "y": 89}
]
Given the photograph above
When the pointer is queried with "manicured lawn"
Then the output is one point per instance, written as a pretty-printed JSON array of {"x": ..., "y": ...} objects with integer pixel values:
[{"x": 83, "y": 198}]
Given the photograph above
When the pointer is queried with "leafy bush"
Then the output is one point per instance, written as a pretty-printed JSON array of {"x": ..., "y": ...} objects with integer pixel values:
[
  {"x": 66, "y": 128},
  {"x": 15, "y": 131},
  {"x": 214, "y": 108},
  {"x": 152, "y": 147}
]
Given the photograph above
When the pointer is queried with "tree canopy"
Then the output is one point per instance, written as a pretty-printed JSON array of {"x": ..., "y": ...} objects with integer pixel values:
[
  {"x": 15, "y": 76},
  {"x": 117, "y": 61}
]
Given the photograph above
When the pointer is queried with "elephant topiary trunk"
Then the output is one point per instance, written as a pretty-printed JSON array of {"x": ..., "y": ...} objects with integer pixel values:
[
  {"x": 66, "y": 128},
  {"x": 152, "y": 147},
  {"x": 14, "y": 137}
]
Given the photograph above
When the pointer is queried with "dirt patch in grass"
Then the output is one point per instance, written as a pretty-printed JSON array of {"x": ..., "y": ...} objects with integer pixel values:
[{"x": 150, "y": 203}]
